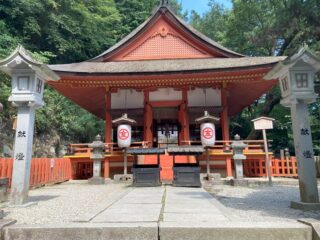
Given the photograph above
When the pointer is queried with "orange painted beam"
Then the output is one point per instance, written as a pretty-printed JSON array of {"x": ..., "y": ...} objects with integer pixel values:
[
  {"x": 148, "y": 119},
  {"x": 106, "y": 168},
  {"x": 225, "y": 127},
  {"x": 184, "y": 118},
  {"x": 108, "y": 123}
]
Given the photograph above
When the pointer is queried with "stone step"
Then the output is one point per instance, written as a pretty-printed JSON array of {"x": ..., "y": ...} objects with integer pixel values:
[
  {"x": 220, "y": 230},
  {"x": 103, "y": 231}
]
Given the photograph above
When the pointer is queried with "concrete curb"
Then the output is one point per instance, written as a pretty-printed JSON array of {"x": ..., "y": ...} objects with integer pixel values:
[
  {"x": 315, "y": 224},
  {"x": 116, "y": 231},
  {"x": 234, "y": 230}
]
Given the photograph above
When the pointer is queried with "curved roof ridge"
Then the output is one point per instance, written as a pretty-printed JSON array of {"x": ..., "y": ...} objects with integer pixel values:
[{"x": 188, "y": 27}]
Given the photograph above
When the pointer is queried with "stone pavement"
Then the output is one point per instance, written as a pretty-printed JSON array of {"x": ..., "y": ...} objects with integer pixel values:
[
  {"x": 163, "y": 213},
  {"x": 166, "y": 204}
]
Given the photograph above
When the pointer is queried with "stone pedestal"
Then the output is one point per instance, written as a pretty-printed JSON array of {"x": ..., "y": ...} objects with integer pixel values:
[
  {"x": 22, "y": 155},
  {"x": 239, "y": 182},
  {"x": 305, "y": 206},
  {"x": 96, "y": 181},
  {"x": 4, "y": 185},
  {"x": 238, "y": 163}
]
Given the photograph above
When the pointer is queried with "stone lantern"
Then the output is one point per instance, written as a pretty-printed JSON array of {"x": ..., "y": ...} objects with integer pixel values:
[
  {"x": 28, "y": 79},
  {"x": 238, "y": 146},
  {"x": 208, "y": 134},
  {"x": 296, "y": 77},
  {"x": 124, "y": 136},
  {"x": 97, "y": 156}
]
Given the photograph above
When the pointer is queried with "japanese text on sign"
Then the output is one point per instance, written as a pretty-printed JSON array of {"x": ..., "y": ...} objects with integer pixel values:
[
  {"x": 22, "y": 134},
  {"x": 304, "y": 131},
  {"x": 19, "y": 156}
]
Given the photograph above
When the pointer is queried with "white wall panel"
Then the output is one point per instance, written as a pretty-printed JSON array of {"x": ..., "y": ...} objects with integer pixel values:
[
  {"x": 196, "y": 97},
  {"x": 134, "y": 99},
  {"x": 165, "y": 94}
]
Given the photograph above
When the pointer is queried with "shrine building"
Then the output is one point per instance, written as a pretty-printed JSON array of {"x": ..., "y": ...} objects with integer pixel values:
[{"x": 164, "y": 75}]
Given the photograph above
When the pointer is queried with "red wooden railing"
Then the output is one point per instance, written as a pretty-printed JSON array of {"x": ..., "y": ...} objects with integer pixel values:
[
  {"x": 254, "y": 146},
  {"x": 43, "y": 170},
  {"x": 286, "y": 167},
  {"x": 82, "y": 149}
]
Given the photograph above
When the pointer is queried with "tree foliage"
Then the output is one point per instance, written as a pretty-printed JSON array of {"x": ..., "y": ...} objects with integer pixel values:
[
  {"x": 62, "y": 31},
  {"x": 266, "y": 28}
]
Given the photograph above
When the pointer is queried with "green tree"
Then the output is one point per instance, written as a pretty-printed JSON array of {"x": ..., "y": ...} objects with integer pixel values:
[
  {"x": 265, "y": 28},
  {"x": 73, "y": 30}
]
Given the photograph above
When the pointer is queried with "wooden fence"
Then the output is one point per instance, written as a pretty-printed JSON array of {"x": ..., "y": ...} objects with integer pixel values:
[
  {"x": 286, "y": 167},
  {"x": 43, "y": 170}
]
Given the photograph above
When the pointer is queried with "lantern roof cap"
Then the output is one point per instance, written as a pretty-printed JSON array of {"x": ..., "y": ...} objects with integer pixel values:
[
  {"x": 20, "y": 58},
  {"x": 207, "y": 118},
  {"x": 124, "y": 120},
  {"x": 304, "y": 54}
]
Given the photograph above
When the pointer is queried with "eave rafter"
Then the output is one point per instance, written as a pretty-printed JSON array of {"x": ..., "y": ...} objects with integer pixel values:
[{"x": 85, "y": 82}]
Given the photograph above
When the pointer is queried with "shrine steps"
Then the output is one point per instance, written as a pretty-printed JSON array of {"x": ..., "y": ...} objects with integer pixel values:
[{"x": 162, "y": 231}]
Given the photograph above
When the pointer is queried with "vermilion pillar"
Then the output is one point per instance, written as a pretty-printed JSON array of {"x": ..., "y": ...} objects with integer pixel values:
[
  {"x": 225, "y": 126},
  {"x": 184, "y": 118},
  {"x": 108, "y": 126},
  {"x": 148, "y": 118}
]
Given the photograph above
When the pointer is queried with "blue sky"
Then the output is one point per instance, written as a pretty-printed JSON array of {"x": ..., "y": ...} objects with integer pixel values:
[{"x": 201, "y": 6}]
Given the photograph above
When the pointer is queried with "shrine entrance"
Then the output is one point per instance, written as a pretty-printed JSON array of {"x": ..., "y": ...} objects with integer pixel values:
[
  {"x": 165, "y": 127},
  {"x": 167, "y": 133}
]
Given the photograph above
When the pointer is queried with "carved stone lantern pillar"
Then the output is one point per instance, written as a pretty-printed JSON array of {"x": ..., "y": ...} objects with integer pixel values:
[
  {"x": 296, "y": 76},
  {"x": 97, "y": 156},
  {"x": 28, "y": 80}
]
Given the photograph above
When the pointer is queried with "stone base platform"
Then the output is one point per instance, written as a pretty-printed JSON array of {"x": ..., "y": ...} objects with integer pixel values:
[
  {"x": 305, "y": 206},
  {"x": 163, "y": 231},
  {"x": 161, "y": 213}
]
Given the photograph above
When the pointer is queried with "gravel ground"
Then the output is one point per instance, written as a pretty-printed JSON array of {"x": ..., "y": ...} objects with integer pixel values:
[
  {"x": 67, "y": 202},
  {"x": 261, "y": 203},
  {"x": 63, "y": 203}
]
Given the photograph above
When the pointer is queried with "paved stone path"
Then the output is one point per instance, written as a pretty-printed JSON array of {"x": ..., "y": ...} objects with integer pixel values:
[{"x": 166, "y": 204}]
